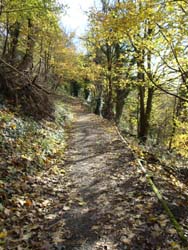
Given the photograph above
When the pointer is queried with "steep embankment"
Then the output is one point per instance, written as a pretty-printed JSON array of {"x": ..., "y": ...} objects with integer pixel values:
[{"x": 31, "y": 175}]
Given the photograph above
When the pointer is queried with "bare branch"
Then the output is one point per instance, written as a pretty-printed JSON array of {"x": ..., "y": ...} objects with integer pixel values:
[
  {"x": 25, "y": 76},
  {"x": 164, "y": 90},
  {"x": 172, "y": 49}
]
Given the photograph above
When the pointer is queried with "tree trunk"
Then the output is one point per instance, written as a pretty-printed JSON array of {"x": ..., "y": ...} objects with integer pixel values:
[
  {"x": 108, "y": 107},
  {"x": 145, "y": 112},
  {"x": 27, "y": 61},
  {"x": 75, "y": 88},
  {"x": 121, "y": 94},
  {"x": 99, "y": 104},
  {"x": 46, "y": 62},
  {"x": 6, "y": 37},
  {"x": 14, "y": 32},
  {"x": 142, "y": 132}
]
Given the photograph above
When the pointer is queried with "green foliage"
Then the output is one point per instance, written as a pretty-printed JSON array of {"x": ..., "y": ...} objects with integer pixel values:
[
  {"x": 31, "y": 151},
  {"x": 153, "y": 40},
  {"x": 38, "y": 144},
  {"x": 180, "y": 139}
]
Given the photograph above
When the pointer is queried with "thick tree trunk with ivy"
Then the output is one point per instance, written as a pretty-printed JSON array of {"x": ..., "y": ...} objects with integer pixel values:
[
  {"x": 145, "y": 101},
  {"x": 145, "y": 112},
  {"x": 121, "y": 94},
  {"x": 121, "y": 91},
  {"x": 145, "y": 98},
  {"x": 14, "y": 32},
  {"x": 27, "y": 61},
  {"x": 109, "y": 105}
]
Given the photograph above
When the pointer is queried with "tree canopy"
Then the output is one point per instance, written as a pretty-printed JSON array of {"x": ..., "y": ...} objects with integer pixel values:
[
  {"x": 94, "y": 140},
  {"x": 141, "y": 46}
]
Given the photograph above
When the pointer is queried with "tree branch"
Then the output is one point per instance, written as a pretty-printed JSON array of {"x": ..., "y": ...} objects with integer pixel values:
[
  {"x": 32, "y": 83},
  {"x": 172, "y": 49},
  {"x": 28, "y": 9},
  {"x": 164, "y": 90}
]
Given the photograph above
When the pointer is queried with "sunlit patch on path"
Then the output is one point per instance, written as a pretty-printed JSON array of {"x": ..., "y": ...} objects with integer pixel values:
[{"x": 110, "y": 205}]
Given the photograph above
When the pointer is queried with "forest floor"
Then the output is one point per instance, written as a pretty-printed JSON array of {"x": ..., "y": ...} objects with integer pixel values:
[
  {"x": 111, "y": 206},
  {"x": 97, "y": 198}
]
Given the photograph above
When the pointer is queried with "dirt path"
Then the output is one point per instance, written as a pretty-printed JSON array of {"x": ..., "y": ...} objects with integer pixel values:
[
  {"x": 93, "y": 197},
  {"x": 110, "y": 206}
]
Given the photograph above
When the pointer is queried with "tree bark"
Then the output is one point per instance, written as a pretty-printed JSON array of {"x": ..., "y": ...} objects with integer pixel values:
[
  {"x": 27, "y": 61},
  {"x": 121, "y": 94},
  {"x": 14, "y": 32},
  {"x": 108, "y": 106},
  {"x": 145, "y": 105},
  {"x": 6, "y": 37}
]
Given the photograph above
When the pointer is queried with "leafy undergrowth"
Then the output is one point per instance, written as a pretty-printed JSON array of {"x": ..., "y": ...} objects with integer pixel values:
[
  {"x": 31, "y": 173},
  {"x": 43, "y": 206},
  {"x": 172, "y": 181}
]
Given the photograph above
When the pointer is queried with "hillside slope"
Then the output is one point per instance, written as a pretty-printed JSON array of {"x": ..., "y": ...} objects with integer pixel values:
[{"x": 78, "y": 186}]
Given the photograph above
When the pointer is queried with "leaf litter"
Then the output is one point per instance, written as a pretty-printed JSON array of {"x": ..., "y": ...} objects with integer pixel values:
[{"x": 89, "y": 196}]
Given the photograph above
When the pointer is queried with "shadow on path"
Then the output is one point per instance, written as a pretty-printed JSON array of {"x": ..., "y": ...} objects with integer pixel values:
[{"x": 110, "y": 205}]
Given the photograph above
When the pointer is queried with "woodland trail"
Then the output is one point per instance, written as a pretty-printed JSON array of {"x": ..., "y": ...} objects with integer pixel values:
[
  {"x": 88, "y": 195},
  {"x": 109, "y": 206}
]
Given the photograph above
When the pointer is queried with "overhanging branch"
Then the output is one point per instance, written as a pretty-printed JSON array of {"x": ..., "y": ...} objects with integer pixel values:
[{"x": 164, "y": 90}]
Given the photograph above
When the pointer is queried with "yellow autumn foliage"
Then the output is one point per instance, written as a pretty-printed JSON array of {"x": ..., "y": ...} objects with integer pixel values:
[{"x": 180, "y": 140}]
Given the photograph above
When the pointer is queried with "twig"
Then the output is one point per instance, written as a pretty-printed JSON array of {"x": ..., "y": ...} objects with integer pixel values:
[
  {"x": 172, "y": 48},
  {"x": 32, "y": 83},
  {"x": 13, "y": 68},
  {"x": 177, "y": 226},
  {"x": 164, "y": 90}
]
